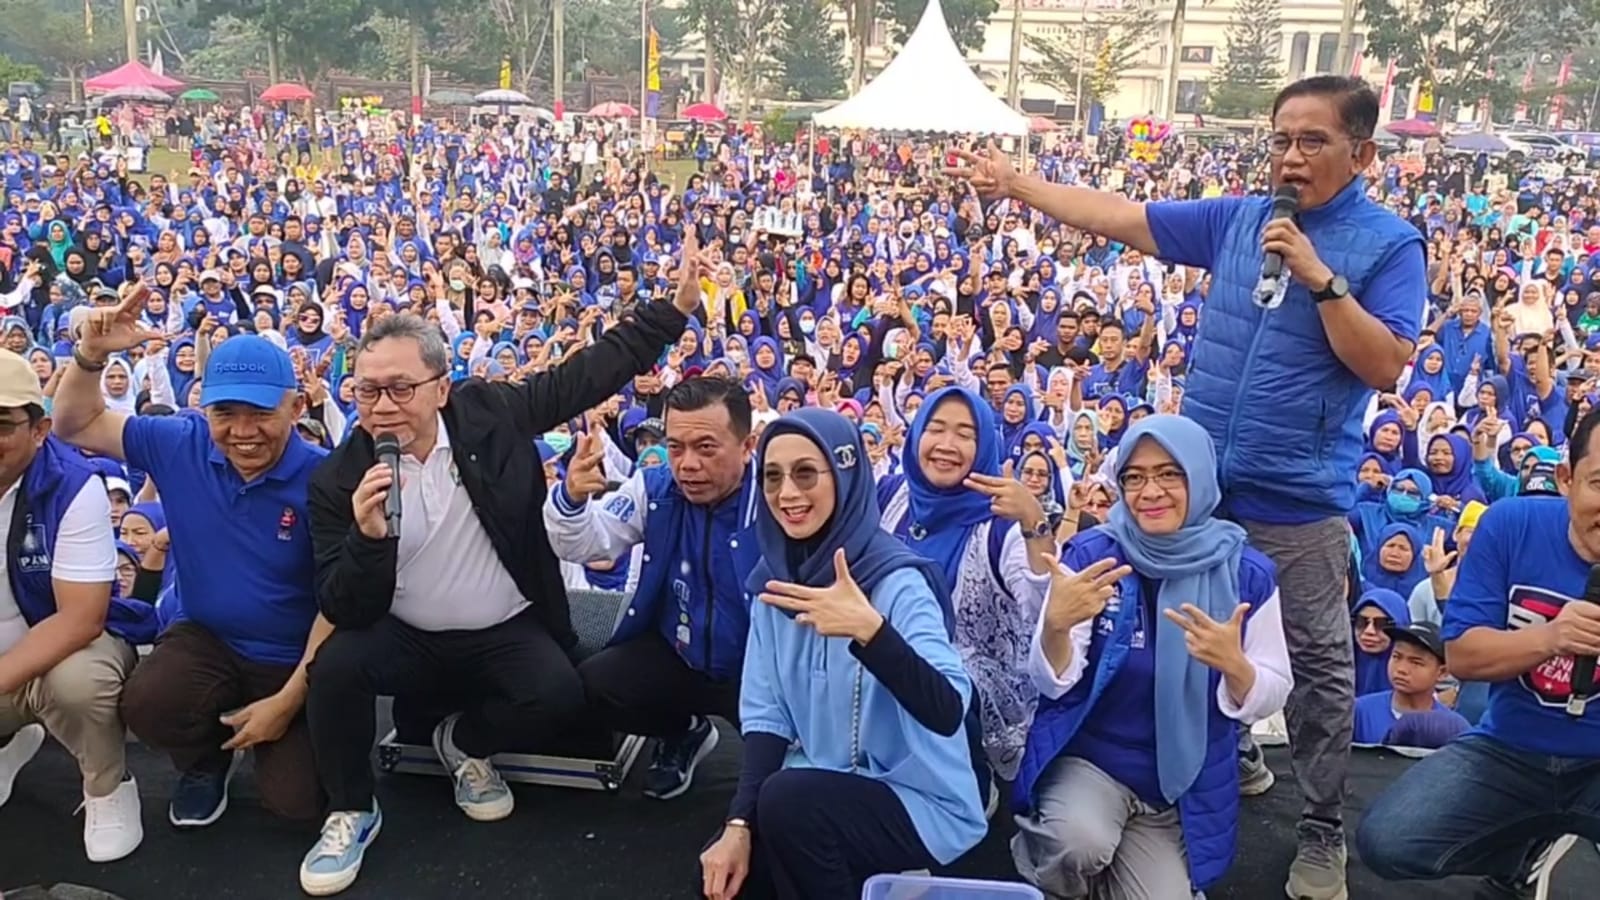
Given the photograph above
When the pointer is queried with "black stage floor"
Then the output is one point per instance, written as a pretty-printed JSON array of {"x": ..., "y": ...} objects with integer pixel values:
[{"x": 561, "y": 844}]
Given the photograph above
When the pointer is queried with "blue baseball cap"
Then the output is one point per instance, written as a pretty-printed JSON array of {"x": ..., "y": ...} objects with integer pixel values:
[{"x": 248, "y": 369}]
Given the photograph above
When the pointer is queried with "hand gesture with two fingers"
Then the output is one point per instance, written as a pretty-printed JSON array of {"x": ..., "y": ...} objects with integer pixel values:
[
  {"x": 1219, "y": 645},
  {"x": 838, "y": 610}
]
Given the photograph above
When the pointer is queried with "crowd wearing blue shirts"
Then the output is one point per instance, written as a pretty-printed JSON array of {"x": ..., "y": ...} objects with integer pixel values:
[{"x": 1065, "y": 408}]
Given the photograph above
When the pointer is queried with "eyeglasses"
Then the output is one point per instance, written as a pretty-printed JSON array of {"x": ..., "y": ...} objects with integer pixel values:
[
  {"x": 1309, "y": 144},
  {"x": 805, "y": 477},
  {"x": 9, "y": 427},
  {"x": 1368, "y": 623},
  {"x": 1166, "y": 479},
  {"x": 400, "y": 392}
]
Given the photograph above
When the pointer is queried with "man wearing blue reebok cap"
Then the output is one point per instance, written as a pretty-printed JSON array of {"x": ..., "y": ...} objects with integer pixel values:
[{"x": 230, "y": 674}]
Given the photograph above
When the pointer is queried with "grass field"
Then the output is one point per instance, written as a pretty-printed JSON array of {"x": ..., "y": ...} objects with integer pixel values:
[{"x": 675, "y": 172}]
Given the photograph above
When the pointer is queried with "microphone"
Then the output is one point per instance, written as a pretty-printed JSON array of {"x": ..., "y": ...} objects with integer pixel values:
[
  {"x": 1583, "y": 667},
  {"x": 387, "y": 448},
  {"x": 1270, "y": 289}
]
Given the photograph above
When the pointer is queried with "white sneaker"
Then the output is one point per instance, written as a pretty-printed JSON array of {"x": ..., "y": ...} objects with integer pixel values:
[
  {"x": 15, "y": 754},
  {"x": 112, "y": 828}
]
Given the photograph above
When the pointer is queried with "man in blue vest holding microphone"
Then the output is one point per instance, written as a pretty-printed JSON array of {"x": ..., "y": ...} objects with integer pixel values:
[
  {"x": 676, "y": 656},
  {"x": 66, "y": 641},
  {"x": 1280, "y": 378}
]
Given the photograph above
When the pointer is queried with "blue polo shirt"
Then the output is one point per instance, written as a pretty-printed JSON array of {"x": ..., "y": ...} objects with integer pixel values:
[{"x": 242, "y": 550}]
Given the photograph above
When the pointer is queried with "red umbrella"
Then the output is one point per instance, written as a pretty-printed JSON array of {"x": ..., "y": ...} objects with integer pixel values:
[
  {"x": 133, "y": 74},
  {"x": 287, "y": 92},
  {"x": 703, "y": 112},
  {"x": 1037, "y": 124},
  {"x": 1412, "y": 128},
  {"x": 613, "y": 110}
]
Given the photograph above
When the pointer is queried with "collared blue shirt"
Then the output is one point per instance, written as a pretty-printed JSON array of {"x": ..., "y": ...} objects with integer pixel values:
[{"x": 242, "y": 549}]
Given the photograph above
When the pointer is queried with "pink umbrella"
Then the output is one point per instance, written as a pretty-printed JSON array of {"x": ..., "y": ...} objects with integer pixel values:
[
  {"x": 286, "y": 93},
  {"x": 613, "y": 110},
  {"x": 703, "y": 112},
  {"x": 1037, "y": 124},
  {"x": 132, "y": 74}
]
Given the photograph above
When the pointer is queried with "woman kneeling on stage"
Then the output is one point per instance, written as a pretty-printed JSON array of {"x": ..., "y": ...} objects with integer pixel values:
[
  {"x": 853, "y": 697},
  {"x": 1161, "y": 632}
]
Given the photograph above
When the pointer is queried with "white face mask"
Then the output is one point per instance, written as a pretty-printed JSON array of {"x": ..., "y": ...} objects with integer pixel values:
[
  {"x": 808, "y": 326},
  {"x": 457, "y": 284},
  {"x": 738, "y": 356}
]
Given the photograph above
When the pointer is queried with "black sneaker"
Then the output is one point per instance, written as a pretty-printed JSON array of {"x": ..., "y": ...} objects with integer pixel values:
[
  {"x": 672, "y": 768},
  {"x": 200, "y": 798}
]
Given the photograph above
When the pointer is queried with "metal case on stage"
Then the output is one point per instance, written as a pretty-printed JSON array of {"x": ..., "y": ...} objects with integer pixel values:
[{"x": 587, "y": 757}]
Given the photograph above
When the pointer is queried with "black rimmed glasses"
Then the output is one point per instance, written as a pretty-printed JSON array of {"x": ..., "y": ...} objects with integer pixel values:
[
  {"x": 400, "y": 392},
  {"x": 1309, "y": 144}
]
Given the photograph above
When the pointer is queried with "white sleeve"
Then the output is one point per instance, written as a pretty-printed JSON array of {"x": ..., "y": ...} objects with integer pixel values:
[
  {"x": 1264, "y": 646},
  {"x": 599, "y": 530},
  {"x": 85, "y": 550},
  {"x": 1026, "y": 588},
  {"x": 21, "y": 293},
  {"x": 1052, "y": 685}
]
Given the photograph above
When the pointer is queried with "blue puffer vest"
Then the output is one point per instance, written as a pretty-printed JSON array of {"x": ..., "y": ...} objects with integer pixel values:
[
  {"x": 695, "y": 558},
  {"x": 1209, "y": 811},
  {"x": 48, "y": 488},
  {"x": 1284, "y": 411}
]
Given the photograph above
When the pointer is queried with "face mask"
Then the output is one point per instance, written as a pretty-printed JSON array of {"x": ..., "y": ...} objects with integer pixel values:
[
  {"x": 559, "y": 441},
  {"x": 1403, "y": 504},
  {"x": 808, "y": 326},
  {"x": 705, "y": 220},
  {"x": 891, "y": 352},
  {"x": 738, "y": 356},
  {"x": 457, "y": 284}
]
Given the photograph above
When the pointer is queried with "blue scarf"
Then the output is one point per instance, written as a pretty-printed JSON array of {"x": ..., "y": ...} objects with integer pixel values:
[
  {"x": 943, "y": 518},
  {"x": 1198, "y": 564},
  {"x": 871, "y": 552}
]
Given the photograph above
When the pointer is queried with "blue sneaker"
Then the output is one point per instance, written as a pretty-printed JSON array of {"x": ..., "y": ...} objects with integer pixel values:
[
  {"x": 333, "y": 864},
  {"x": 480, "y": 791},
  {"x": 672, "y": 768},
  {"x": 200, "y": 798}
]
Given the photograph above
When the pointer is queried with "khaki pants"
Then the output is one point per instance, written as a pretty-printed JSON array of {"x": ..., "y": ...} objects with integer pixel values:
[{"x": 77, "y": 703}]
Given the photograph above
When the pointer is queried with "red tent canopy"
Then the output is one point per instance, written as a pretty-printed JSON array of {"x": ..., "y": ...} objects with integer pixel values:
[
  {"x": 133, "y": 74},
  {"x": 287, "y": 92}
]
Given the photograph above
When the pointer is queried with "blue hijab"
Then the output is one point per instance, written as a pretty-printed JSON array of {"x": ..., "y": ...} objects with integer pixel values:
[
  {"x": 943, "y": 518},
  {"x": 1198, "y": 564},
  {"x": 871, "y": 552}
]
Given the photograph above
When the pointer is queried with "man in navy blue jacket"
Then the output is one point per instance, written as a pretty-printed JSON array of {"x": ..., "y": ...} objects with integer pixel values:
[
  {"x": 1281, "y": 379},
  {"x": 66, "y": 641},
  {"x": 676, "y": 656}
]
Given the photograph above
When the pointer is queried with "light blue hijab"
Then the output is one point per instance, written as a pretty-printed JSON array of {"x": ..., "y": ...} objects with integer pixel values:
[{"x": 1198, "y": 564}]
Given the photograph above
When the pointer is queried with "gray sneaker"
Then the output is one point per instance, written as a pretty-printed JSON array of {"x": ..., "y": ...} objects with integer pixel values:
[
  {"x": 1255, "y": 778},
  {"x": 1317, "y": 872},
  {"x": 480, "y": 791}
]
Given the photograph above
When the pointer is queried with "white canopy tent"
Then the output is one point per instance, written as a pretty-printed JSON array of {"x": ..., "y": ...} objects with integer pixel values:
[{"x": 928, "y": 86}]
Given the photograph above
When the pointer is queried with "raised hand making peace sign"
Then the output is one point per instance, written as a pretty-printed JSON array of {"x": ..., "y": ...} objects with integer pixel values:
[
  {"x": 1008, "y": 499},
  {"x": 113, "y": 329},
  {"x": 1219, "y": 645},
  {"x": 586, "y": 476},
  {"x": 838, "y": 610}
]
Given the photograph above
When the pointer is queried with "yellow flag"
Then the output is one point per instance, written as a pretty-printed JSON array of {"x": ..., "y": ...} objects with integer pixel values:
[
  {"x": 653, "y": 61},
  {"x": 505, "y": 74}
]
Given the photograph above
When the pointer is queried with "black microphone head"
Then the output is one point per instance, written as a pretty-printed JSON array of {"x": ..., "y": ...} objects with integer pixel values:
[
  {"x": 1286, "y": 197},
  {"x": 385, "y": 444},
  {"x": 1591, "y": 588}
]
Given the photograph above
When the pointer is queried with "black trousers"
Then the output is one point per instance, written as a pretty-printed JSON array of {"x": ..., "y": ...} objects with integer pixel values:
[
  {"x": 820, "y": 835},
  {"x": 643, "y": 687},
  {"x": 521, "y": 682}
]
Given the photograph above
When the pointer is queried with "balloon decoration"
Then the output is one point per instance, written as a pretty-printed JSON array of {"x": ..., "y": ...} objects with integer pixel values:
[{"x": 1145, "y": 138}]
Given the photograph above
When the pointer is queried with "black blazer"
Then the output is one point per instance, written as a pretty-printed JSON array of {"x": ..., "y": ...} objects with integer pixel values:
[{"x": 492, "y": 427}]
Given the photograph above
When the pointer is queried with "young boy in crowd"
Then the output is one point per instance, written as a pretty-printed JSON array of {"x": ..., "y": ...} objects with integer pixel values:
[{"x": 1416, "y": 666}]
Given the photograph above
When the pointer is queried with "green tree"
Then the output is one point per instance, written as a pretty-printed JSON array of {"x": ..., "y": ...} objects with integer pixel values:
[
  {"x": 1249, "y": 76},
  {"x": 810, "y": 53},
  {"x": 11, "y": 70},
  {"x": 1455, "y": 47},
  {"x": 1099, "y": 50},
  {"x": 968, "y": 19},
  {"x": 57, "y": 41}
]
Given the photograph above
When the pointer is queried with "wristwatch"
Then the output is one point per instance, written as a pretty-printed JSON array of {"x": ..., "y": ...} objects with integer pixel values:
[
  {"x": 1335, "y": 289},
  {"x": 85, "y": 363},
  {"x": 1039, "y": 530}
]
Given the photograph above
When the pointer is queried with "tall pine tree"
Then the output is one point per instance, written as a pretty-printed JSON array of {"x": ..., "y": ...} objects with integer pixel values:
[
  {"x": 1249, "y": 76},
  {"x": 810, "y": 52}
]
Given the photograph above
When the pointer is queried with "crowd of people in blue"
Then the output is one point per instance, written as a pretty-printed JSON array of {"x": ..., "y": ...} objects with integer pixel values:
[{"x": 976, "y": 489}]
